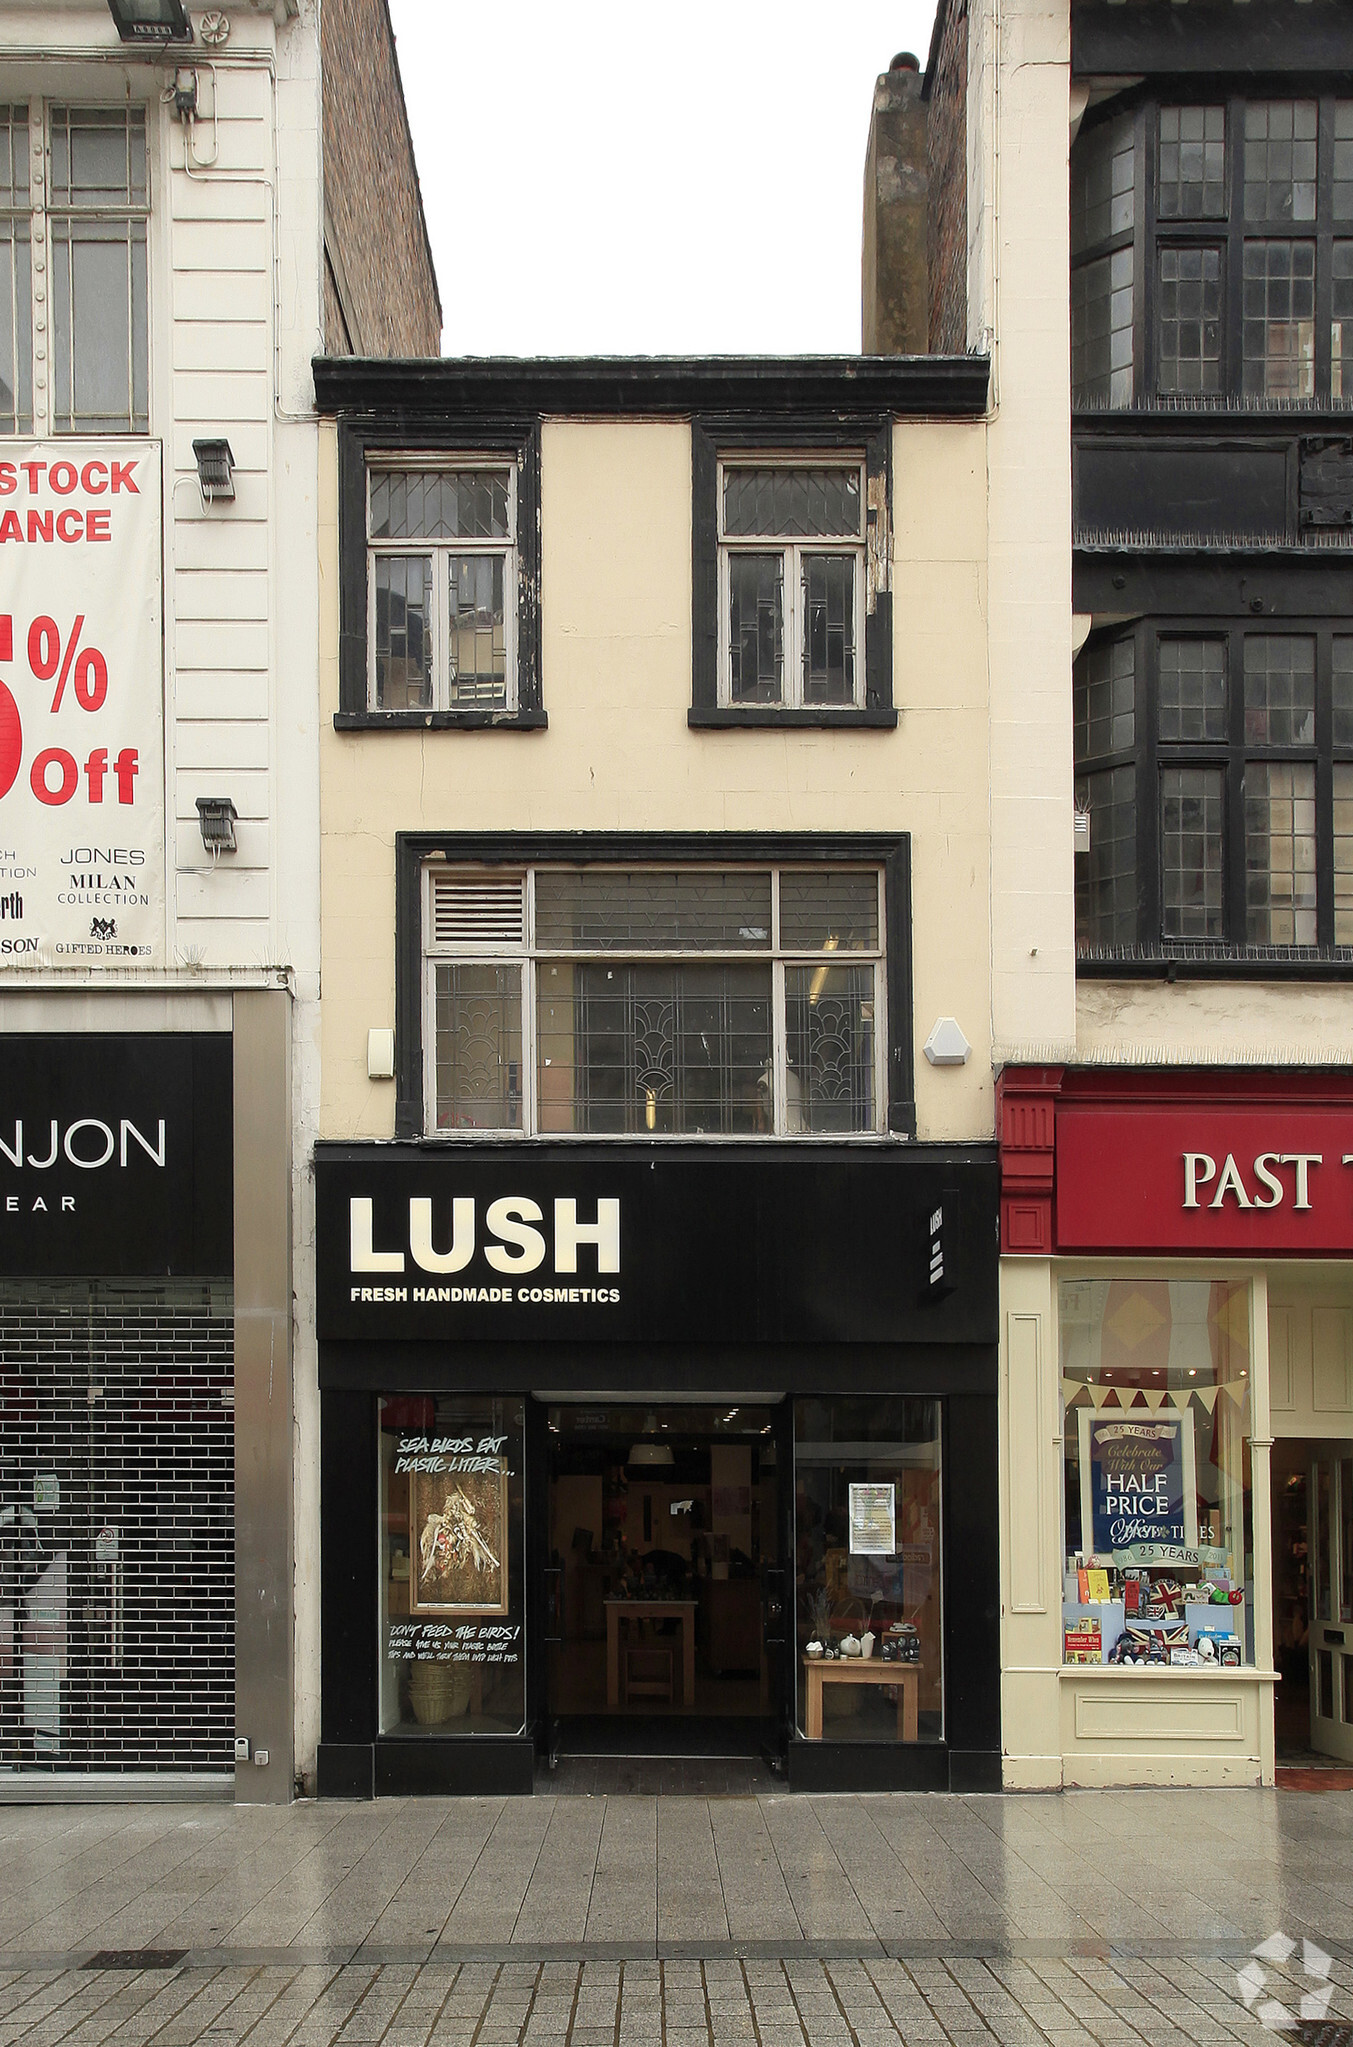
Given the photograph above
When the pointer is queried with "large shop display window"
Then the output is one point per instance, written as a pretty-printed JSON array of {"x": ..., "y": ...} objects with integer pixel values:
[
  {"x": 869, "y": 1662},
  {"x": 451, "y": 1569},
  {"x": 1159, "y": 1565}
]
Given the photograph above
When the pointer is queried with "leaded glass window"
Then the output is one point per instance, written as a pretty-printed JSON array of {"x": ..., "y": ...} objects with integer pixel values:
[
  {"x": 1226, "y": 281},
  {"x": 792, "y": 584},
  {"x": 1192, "y": 838},
  {"x": 443, "y": 587},
  {"x": 1104, "y": 699},
  {"x": 1191, "y": 181},
  {"x": 1279, "y": 689},
  {"x": 1192, "y": 691},
  {"x": 1280, "y": 901},
  {"x": 1189, "y": 333},
  {"x": 1280, "y": 159},
  {"x": 1278, "y": 325},
  {"x": 694, "y": 1001},
  {"x": 1220, "y": 814},
  {"x": 1106, "y": 875},
  {"x": 1103, "y": 217},
  {"x": 1101, "y": 330}
]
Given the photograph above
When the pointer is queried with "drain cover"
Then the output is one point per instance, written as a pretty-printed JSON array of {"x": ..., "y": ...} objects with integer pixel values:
[{"x": 137, "y": 1958}]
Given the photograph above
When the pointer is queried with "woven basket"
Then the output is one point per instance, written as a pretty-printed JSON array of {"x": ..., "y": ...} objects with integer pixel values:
[{"x": 438, "y": 1691}]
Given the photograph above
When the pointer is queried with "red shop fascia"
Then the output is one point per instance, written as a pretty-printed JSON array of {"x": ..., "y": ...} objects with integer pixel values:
[{"x": 1190, "y": 1163}]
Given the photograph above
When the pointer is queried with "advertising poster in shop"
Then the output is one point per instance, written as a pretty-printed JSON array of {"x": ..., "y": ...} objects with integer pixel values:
[
  {"x": 81, "y": 781},
  {"x": 1137, "y": 1481}
]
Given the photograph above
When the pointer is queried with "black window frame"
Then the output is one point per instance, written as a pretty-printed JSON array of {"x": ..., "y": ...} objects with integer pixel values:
[
  {"x": 1230, "y": 231},
  {"x": 361, "y": 446},
  {"x": 715, "y": 439},
  {"x": 1149, "y": 755},
  {"x": 414, "y": 850}
]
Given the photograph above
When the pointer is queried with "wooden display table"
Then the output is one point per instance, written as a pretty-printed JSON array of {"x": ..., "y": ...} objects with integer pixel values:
[
  {"x": 682, "y": 1610},
  {"x": 856, "y": 1670}
]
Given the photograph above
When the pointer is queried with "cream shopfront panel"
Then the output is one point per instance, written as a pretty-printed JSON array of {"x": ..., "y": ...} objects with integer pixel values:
[{"x": 1177, "y": 1425}]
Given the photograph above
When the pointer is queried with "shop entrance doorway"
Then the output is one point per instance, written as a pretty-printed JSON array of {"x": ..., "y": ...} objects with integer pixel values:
[
  {"x": 1313, "y": 1597},
  {"x": 665, "y": 1607}
]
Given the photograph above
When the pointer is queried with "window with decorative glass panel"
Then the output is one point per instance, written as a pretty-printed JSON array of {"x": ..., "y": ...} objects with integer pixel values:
[
  {"x": 667, "y": 1002},
  {"x": 791, "y": 583},
  {"x": 442, "y": 595}
]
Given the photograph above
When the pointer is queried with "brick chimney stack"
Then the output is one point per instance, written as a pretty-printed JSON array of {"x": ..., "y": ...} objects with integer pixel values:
[{"x": 896, "y": 288}]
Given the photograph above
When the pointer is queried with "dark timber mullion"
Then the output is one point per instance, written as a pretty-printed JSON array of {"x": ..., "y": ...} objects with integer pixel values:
[
  {"x": 1233, "y": 843},
  {"x": 1233, "y": 256},
  {"x": 1148, "y": 270},
  {"x": 1143, "y": 240},
  {"x": 1324, "y": 787},
  {"x": 1324, "y": 245},
  {"x": 1145, "y": 670}
]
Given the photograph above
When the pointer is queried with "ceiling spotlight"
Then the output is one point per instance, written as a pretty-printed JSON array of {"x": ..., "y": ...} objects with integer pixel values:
[{"x": 151, "y": 21}]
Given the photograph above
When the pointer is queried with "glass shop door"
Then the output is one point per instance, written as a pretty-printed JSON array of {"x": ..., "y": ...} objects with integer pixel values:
[
  {"x": 666, "y": 1601},
  {"x": 1331, "y": 1579}
]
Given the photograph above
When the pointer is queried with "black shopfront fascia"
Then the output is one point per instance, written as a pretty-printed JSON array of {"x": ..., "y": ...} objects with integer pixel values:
[{"x": 773, "y": 1269}]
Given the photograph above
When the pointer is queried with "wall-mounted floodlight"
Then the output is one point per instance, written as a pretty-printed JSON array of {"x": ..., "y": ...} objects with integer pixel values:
[
  {"x": 217, "y": 818},
  {"x": 151, "y": 21},
  {"x": 215, "y": 470}
]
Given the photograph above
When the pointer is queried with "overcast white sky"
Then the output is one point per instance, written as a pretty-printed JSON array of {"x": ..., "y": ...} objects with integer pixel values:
[{"x": 615, "y": 178}]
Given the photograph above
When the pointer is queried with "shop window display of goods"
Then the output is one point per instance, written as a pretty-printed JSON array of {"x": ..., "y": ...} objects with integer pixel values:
[{"x": 1158, "y": 1562}]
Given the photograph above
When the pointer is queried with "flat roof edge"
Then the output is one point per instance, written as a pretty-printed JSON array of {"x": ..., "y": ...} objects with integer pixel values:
[{"x": 644, "y": 386}]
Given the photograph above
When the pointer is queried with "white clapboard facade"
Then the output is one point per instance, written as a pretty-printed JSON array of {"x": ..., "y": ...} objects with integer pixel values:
[{"x": 161, "y": 299}]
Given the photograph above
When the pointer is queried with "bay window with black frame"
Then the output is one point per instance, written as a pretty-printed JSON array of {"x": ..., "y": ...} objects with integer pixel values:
[
  {"x": 1215, "y": 761},
  {"x": 1212, "y": 247}
]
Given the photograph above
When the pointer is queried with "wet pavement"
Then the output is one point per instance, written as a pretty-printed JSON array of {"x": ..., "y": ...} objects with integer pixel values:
[{"x": 1107, "y": 1917}]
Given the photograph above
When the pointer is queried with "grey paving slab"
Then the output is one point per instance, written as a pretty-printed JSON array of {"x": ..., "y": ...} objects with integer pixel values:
[{"x": 654, "y": 1922}]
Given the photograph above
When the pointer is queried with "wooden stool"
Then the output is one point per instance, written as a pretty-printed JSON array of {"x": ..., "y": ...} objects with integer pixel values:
[{"x": 647, "y": 1671}]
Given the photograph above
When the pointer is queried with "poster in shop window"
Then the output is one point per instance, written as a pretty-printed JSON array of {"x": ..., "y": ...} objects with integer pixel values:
[
  {"x": 873, "y": 1520},
  {"x": 1137, "y": 1480},
  {"x": 81, "y": 774},
  {"x": 458, "y": 1526}
]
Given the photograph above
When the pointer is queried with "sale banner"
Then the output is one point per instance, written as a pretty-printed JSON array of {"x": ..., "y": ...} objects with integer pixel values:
[{"x": 81, "y": 720}]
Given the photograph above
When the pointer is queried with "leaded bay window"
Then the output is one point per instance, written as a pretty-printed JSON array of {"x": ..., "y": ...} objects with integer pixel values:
[
  {"x": 1212, "y": 251},
  {"x": 74, "y": 208},
  {"x": 646, "y": 1001},
  {"x": 1216, "y": 763},
  {"x": 791, "y": 583},
  {"x": 442, "y": 590}
]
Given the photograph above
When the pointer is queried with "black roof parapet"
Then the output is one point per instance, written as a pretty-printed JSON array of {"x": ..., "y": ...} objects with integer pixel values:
[{"x": 919, "y": 386}]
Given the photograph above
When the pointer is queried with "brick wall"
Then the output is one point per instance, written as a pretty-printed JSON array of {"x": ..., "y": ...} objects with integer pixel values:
[
  {"x": 947, "y": 176},
  {"x": 381, "y": 280}
]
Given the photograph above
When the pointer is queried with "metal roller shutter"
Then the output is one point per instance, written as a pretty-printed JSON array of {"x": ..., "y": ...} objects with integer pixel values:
[{"x": 117, "y": 1550}]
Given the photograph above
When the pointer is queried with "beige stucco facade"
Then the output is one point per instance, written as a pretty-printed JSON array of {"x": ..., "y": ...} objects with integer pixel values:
[{"x": 619, "y": 754}]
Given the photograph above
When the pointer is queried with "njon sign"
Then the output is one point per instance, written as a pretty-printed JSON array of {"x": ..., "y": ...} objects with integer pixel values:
[{"x": 81, "y": 780}]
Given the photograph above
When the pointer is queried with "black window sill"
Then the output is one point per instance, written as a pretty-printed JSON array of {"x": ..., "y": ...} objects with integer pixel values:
[
  {"x": 728, "y": 718},
  {"x": 440, "y": 721},
  {"x": 1234, "y": 963}
]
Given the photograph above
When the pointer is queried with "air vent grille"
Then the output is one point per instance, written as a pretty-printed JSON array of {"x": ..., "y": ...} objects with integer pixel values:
[{"x": 471, "y": 912}]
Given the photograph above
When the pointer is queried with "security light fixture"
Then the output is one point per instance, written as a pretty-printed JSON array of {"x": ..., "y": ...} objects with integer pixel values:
[
  {"x": 217, "y": 818},
  {"x": 215, "y": 470},
  {"x": 151, "y": 21}
]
